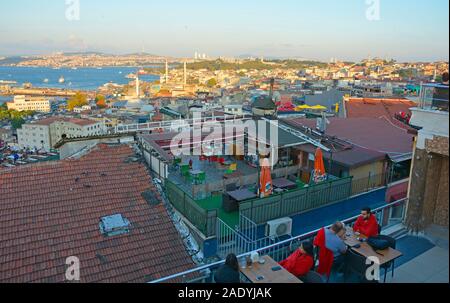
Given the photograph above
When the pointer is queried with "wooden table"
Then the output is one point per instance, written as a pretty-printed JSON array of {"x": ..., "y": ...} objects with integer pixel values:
[
  {"x": 385, "y": 256},
  {"x": 269, "y": 276},
  {"x": 283, "y": 183}
]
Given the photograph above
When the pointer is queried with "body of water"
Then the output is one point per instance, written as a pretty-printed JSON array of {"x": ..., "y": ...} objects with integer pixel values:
[{"x": 81, "y": 78}]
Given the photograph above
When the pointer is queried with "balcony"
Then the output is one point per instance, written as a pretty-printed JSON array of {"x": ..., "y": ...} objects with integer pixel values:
[
  {"x": 431, "y": 114},
  {"x": 423, "y": 260},
  {"x": 434, "y": 97}
]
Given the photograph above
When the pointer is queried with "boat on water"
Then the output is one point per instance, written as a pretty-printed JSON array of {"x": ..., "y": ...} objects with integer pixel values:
[
  {"x": 46, "y": 80},
  {"x": 61, "y": 80},
  {"x": 131, "y": 76}
]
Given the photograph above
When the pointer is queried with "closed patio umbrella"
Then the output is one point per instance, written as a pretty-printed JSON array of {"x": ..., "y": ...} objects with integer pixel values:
[
  {"x": 265, "y": 184},
  {"x": 319, "y": 167}
]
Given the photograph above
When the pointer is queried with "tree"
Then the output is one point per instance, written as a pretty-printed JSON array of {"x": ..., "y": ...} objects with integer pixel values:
[
  {"x": 100, "y": 100},
  {"x": 211, "y": 83},
  {"x": 78, "y": 100},
  {"x": 17, "y": 123}
]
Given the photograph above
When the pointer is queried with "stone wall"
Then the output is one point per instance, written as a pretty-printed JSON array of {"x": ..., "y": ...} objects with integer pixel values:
[{"x": 428, "y": 194}]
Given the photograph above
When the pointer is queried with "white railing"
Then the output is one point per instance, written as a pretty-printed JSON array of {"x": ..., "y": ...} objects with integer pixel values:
[
  {"x": 279, "y": 250},
  {"x": 175, "y": 125}
]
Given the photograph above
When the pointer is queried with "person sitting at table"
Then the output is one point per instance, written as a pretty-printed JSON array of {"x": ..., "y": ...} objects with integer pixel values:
[
  {"x": 229, "y": 272},
  {"x": 334, "y": 241},
  {"x": 332, "y": 248},
  {"x": 301, "y": 261},
  {"x": 367, "y": 224}
]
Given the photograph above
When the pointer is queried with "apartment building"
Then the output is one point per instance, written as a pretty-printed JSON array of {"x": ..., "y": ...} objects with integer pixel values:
[
  {"x": 44, "y": 134},
  {"x": 23, "y": 103}
]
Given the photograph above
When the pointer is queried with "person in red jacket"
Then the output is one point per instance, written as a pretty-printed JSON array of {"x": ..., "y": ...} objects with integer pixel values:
[
  {"x": 301, "y": 261},
  {"x": 367, "y": 223}
]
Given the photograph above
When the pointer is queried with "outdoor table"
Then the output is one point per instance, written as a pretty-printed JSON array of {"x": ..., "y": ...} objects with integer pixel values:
[
  {"x": 242, "y": 195},
  {"x": 283, "y": 183},
  {"x": 385, "y": 256},
  {"x": 236, "y": 174},
  {"x": 267, "y": 275}
]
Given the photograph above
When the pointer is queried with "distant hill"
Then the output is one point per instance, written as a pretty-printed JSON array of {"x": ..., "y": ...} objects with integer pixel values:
[{"x": 13, "y": 60}]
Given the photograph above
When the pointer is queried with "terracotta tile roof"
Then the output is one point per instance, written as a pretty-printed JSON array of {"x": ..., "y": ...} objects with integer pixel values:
[
  {"x": 51, "y": 211},
  {"x": 80, "y": 122},
  {"x": 379, "y": 108}
]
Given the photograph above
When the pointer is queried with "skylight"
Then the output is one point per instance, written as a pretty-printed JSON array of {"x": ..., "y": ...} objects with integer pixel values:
[{"x": 114, "y": 225}]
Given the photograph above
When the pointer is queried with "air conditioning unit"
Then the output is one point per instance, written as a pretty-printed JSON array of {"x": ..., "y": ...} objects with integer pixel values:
[{"x": 278, "y": 228}]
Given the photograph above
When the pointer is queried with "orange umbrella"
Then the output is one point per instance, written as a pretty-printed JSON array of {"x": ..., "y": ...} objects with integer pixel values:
[
  {"x": 319, "y": 167},
  {"x": 265, "y": 184}
]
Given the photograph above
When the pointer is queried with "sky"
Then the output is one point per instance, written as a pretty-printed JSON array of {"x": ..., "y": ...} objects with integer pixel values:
[{"x": 405, "y": 30}]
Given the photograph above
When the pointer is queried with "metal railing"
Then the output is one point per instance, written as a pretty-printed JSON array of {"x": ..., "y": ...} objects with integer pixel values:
[
  {"x": 203, "y": 220},
  {"x": 296, "y": 201},
  {"x": 174, "y": 125},
  {"x": 281, "y": 250},
  {"x": 259, "y": 210},
  {"x": 371, "y": 182}
]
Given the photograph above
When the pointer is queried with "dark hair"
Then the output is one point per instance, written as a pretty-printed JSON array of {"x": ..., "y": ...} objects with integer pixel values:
[
  {"x": 445, "y": 77},
  {"x": 308, "y": 248},
  {"x": 337, "y": 227},
  {"x": 367, "y": 209},
  {"x": 232, "y": 262}
]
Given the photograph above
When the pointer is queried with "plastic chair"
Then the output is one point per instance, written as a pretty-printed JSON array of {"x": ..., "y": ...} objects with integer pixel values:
[{"x": 233, "y": 167}]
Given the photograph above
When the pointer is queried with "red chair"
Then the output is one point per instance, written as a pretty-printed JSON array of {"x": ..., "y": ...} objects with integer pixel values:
[
  {"x": 203, "y": 158},
  {"x": 213, "y": 159},
  {"x": 221, "y": 161}
]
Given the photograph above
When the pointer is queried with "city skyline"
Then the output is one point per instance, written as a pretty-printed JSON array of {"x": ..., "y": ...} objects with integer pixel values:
[{"x": 317, "y": 30}]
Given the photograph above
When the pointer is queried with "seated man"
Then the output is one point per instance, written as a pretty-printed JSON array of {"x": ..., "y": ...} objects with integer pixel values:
[
  {"x": 367, "y": 224},
  {"x": 334, "y": 241},
  {"x": 301, "y": 261}
]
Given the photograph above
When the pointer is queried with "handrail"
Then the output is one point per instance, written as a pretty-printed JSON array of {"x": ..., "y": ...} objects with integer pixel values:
[{"x": 309, "y": 234}]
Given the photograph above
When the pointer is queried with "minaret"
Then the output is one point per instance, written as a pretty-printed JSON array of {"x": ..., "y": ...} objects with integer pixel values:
[
  {"x": 167, "y": 71},
  {"x": 137, "y": 85},
  {"x": 185, "y": 74}
]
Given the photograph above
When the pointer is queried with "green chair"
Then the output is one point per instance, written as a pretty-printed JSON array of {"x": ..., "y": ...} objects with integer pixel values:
[
  {"x": 201, "y": 178},
  {"x": 185, "y": 170},
  {"x": 229, "y": 172}
]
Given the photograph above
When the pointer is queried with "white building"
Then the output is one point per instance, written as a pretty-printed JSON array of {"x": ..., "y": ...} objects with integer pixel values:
[
  {"x": 82, "y": 109},
  {"x": 23, "y": 103},
  {"x": 44, "y": 134},
  {"x": 235, "y": 110}
]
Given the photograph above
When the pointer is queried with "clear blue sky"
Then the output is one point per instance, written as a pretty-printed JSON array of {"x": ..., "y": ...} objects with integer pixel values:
[{"x": 408, "y": 30}]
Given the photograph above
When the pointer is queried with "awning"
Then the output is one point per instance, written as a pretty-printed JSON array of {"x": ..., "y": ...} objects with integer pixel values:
[{"x": 400, "y": 158}]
